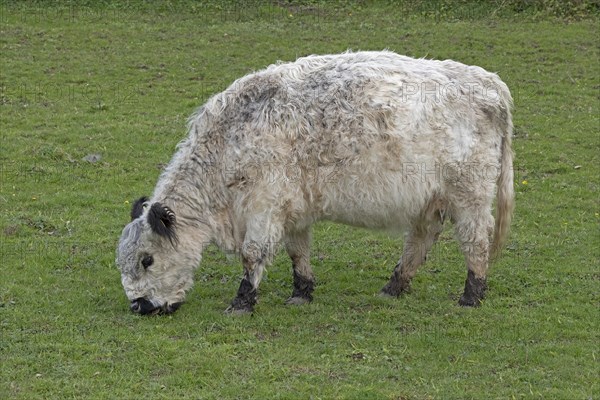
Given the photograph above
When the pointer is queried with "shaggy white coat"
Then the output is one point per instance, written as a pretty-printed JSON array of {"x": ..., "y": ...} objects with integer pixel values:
[{"x": 370, "y": 139}]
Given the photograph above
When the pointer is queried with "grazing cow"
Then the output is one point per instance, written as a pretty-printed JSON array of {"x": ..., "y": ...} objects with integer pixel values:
[{"x": 370, "y": 139}]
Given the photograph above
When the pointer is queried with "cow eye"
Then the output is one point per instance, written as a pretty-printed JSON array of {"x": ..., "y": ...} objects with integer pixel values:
[{"x": 147, "y": 261}]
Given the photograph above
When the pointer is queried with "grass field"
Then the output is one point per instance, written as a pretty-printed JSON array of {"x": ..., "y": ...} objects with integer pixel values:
[{"x": 118, "y": 82}]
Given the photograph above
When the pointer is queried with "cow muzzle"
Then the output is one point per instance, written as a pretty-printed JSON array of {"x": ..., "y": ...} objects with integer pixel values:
[{"x": 144, "y": 307}]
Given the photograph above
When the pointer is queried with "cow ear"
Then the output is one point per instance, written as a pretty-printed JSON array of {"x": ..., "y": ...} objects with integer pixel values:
[
  {"x": 138, "y": 208},
  {"x": 162, "y": 221}
]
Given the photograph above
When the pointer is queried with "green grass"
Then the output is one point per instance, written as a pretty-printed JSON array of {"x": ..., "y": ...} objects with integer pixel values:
[{"x": 120, "y": 81}]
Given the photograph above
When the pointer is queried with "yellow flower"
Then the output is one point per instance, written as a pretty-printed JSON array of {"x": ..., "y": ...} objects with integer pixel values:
[
  {"x": 525, "y": 182},
  {"x": 126, "y": 201}
]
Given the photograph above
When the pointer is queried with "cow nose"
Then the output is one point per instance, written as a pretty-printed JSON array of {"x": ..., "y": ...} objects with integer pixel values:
[
  {"x": 135, "y": 306},
  {"x": 142, "y": 306}
]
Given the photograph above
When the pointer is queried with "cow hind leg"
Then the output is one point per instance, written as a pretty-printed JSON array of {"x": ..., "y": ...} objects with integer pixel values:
[
  {"x": 297, "y": 245},
  {"x": 416, "y": 246},
  {"x": 473, "y": 230}
]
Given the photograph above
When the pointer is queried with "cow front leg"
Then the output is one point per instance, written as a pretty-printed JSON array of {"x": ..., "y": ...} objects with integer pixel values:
[
  {"x": 254, "y": 260},
  {"x": 417, "y": 245},
  {"x": 297, "y": 245},
  {"x": 247, "y": 294}
]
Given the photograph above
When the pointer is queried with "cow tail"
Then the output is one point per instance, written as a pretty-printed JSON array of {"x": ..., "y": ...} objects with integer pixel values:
[{"x": 505, "y": 196}]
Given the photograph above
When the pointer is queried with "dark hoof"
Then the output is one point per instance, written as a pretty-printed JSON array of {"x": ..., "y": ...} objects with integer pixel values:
[
  {"x": 395, "y": 287},
  {"x": 386, "y": 294},
  {"x": 474, "y": 291},
  {"x": 469, "y": 301},
  {"x": 231, "y": 310},
  {"x": 303, "y": 288},
  {"x": 297, "y": 301},
  {"x": 244, "y": 301},
  {"x": 240, "y": 306}
]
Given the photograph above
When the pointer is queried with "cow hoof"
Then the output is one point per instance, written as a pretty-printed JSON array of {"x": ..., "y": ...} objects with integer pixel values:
[
  {"x": 474, "y": 291},
  {"x": 231, "y": 310},
  {"x": 240, "y": 306},
  {"x": 393, "y": 292},
  {"x": 386, "y": 295},
  {"x": 466, "y": 301},
  {"x": 395, "y": 287},
  {"x": 390, "y": 291},
  {"x": 297, "y": 301}
]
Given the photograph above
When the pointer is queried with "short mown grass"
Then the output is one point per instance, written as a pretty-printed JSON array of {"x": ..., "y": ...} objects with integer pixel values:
[{"x": 119, "y": 80}]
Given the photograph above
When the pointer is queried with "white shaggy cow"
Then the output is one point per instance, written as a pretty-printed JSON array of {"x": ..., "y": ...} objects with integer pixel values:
[{"x": 370, "y": 139}]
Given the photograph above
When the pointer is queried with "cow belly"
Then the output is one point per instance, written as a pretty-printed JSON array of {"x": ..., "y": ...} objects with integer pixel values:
[{"x": 384, "y": 202}]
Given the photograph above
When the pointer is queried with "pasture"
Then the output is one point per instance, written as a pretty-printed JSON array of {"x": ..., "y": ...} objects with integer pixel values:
[{"x": 94, "y": 98}]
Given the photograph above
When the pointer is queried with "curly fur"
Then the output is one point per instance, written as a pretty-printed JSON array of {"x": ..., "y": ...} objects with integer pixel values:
[{"x": 371, "y": 139}]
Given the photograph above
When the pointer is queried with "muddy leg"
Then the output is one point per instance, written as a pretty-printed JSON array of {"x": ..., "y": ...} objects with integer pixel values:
[
  {"x": 475, "y": 288},
  {"x": 297, "y": 245},
  {"x": 417, "y": 244},
  {"x": 246, "y": 296},
  {"x": 473, "y": 235},
  {"x": 255, "y": 256}
]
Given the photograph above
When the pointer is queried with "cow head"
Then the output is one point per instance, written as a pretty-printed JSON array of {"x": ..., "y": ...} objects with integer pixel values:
[{"x": 156, "y": 259}]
